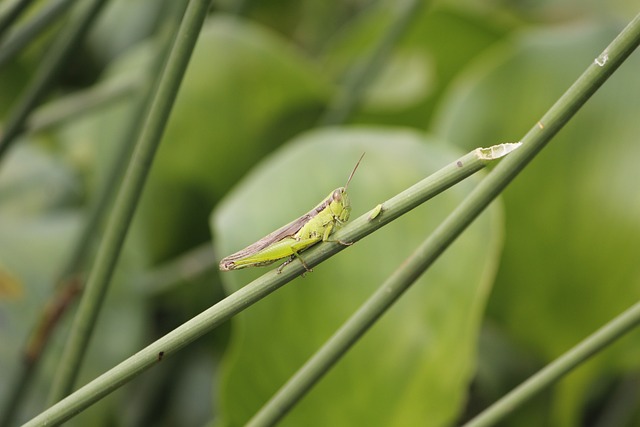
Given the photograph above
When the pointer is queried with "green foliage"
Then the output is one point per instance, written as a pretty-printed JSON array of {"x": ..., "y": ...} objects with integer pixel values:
[{"x": 241, "y": 155}]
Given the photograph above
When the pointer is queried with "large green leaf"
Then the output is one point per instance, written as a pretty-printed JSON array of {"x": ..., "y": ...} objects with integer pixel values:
[
  {"x": 414, "y": 365},
  {"x": 573, "y": 236}
]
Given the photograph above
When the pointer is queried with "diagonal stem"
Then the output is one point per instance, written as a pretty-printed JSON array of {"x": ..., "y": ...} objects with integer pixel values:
[{"x": 127, "y": 198}]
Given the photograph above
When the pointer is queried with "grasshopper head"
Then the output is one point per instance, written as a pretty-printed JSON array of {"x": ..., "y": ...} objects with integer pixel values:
[{"x": 340, "y": 204}]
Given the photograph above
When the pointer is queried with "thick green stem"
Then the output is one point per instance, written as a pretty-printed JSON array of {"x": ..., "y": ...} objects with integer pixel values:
[
  {"x": 68, "y": 283},
  {"x": 127, "y": 198}
]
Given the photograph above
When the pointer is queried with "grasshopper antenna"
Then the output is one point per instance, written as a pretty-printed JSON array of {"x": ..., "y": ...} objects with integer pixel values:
[{"x": 354, "y": 171}]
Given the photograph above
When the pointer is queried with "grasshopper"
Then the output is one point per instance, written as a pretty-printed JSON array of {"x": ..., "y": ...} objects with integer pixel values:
[{"x": 291, "y": 239}]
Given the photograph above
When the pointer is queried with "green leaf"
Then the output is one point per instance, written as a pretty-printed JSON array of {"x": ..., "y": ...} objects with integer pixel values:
[
  {"x": 33, "y": 181},
  {"x": 122, "y": 24},
  {"x": 415, "y": 365}
]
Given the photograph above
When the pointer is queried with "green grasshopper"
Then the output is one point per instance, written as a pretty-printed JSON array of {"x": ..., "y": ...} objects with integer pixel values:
[{"x": 291, "y": 239}]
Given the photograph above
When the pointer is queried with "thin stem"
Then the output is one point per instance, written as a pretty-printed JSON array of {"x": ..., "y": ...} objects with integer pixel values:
[
  {"x": 53, "y": 61},
  {"x": 22, "y": 36},
  {"x": 12, "y": 14},
  {"x": 363, "y": 74},
  {"x": 255, "y": 291},
  {"x": 128, "y": 197},
  {"x": 320, "y": 363},
  {"x": 551, "y": 373}
]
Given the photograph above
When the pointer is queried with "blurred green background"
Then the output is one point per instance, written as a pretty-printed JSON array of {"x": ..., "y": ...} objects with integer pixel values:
[{"x": 243, "y": 153}]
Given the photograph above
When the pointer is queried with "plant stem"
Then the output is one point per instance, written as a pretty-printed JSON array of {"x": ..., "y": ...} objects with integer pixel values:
[
  {"x": 127, "y": 198},
  {"x": 12, "y": 14},
  {"x": 551, "y": 373},
  {"x": 22, "y": 36},
  {"x": 364, "y": 73}
]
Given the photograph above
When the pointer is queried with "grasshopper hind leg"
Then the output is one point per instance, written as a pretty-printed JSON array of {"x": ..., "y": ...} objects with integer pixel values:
[{"x": 290, "y": 260}]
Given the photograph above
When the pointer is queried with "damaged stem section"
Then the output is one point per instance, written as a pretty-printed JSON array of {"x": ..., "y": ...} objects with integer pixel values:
[
  {"x": 479, "y": 157},
  {"x": 497, "y": 151},
  {"x": 466, "y": 166},
  {"x": 419, "y": 193}
]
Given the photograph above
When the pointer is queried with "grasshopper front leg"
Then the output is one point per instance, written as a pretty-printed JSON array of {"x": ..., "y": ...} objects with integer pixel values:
[{"x": 327, "y": 232}]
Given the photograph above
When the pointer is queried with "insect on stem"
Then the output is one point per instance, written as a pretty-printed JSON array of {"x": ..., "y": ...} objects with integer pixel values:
[{"x": 288, "y": 241}]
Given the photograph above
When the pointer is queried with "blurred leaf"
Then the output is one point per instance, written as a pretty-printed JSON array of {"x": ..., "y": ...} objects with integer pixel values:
[
  {"x": 33, "y": 181},
  {"x": 550, "y": 11},
  {"x": 423, "y": 63},
  {"x": 37, "y": 228},
  {"x": 123, "y": 24},
  {"x": 12, "y": 79},
  {"x": 33, "y": 250},
  {"x": 308, "y": 23},
  {"x": 414, "y": 366},
  {"x": 407, "y": 79},
  {"x": 571, "y": 256},
  {"x": 11, "y": 288}
]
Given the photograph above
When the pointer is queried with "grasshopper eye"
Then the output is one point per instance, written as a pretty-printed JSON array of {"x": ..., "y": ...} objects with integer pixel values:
[{"x": 337, "y": 194}]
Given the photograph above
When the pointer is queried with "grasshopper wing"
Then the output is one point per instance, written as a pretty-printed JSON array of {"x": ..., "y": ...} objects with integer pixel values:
[
  {"x": 285, "y": 231},
  {"x": 282, "y": 232}
]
